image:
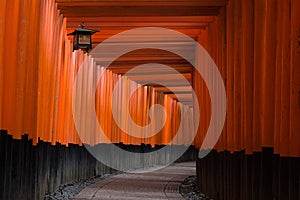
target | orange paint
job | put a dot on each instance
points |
(256, 48)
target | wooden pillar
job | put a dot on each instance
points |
(295, 79)
(202, 95)
(2, 36)
(247, 59)
(229, 82)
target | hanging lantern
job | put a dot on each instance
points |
(82, 38)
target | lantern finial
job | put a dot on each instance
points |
(82, 25)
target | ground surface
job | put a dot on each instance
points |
(161, 184)
(190, 190)
(69, 191)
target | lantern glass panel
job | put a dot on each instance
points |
(84, 39)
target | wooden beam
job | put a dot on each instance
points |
(81, 3)
(137, 11)
(157, 19)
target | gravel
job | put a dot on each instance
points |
(70, 190)
(190, 190)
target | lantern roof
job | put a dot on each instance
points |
(83, 30)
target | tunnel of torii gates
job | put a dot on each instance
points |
(254, 43)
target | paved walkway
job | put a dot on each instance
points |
(162, 184)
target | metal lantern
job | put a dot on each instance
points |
(82, 38)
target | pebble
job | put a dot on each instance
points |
(190, 190)
(70, 190)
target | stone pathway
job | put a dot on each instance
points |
(161, 184)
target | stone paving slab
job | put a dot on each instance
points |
(161, 184)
